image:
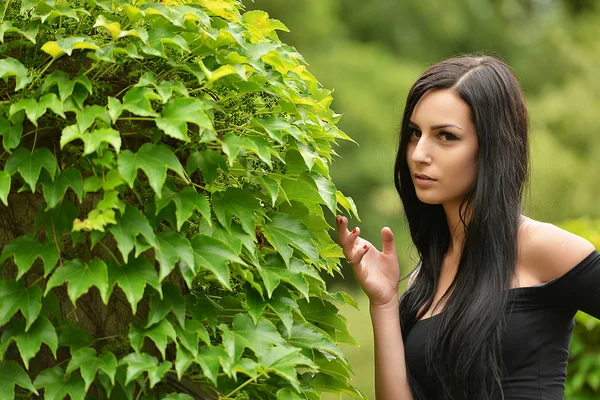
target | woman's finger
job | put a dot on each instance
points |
(358, 254)
(351, 240)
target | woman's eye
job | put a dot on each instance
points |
(448, 136)
(414, 133)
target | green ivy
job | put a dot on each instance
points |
(164, 179)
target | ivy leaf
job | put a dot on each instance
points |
(81, 277)
(172, 247)
(85, 359)
(91, 140)
(131, 224)
(154, 160)
(11, 67)
(177, 113)
(178, 396)
(284, 232)
(288, 394)
(254, 303)
(327, 191)
(11, 131)
(276, 127)
(213, 254)
(138, 363)
(73, 337)
(35, 109)
(57, 48)
(186, 201)
(210, 359)
(189, 334)
(283, 304)
(15, 296)
(273, 271)
(4, 186)
(347, 203)
(306, 336)
(137, 101)
(207, 161)
(183, 361)
(171, 301)
(161, 334)
(29, 343)
(238, 202)
(133, 278)
(283, 361)
(30, 164)
(157, 38)
(12, 374)
(26, 249)
(322, 313)
(65, 85)
(57, 386)
(54, 191)
(244, 334)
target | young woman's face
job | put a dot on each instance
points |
(443, 145)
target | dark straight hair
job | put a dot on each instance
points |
(464, 350)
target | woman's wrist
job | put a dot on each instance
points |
(391, 305)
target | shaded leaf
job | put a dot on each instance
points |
(186, 201)
(172, 300)
(11, 67)
(133, 278)
(85, 359)
(4, 186)
(30, 342)
(30, 164)
(177, 113)
(57, 386)
(26, 249)
(239, 203)
(161, 333)
(213, 255)
(131, 224)
(244, 334)
(54, 191)
(12, 374)
(285, 232)
(172, 247)
(154, 160)
(138, 363)
(81, 277)
(15, 296)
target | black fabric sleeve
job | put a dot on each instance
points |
(579, 288)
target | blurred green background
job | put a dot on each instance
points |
(371, 51)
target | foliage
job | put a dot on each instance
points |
(163, 173)
(583, 373)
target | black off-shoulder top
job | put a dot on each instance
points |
(535, 345)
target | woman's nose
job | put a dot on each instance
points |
(421, 153)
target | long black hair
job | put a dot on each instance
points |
(465, 343)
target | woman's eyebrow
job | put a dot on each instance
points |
(434, 127)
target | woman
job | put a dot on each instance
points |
(488, 312)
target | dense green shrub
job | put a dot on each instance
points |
(163, 172)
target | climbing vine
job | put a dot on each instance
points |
(164, 179)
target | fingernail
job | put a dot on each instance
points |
(337, 219)
(365, 247)
(354, 230)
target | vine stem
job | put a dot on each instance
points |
(110, 251)
(237, 389)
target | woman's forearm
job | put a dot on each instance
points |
(391, 381)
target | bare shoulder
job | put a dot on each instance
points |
(548, 251)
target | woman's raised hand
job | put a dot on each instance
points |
(376, 271)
